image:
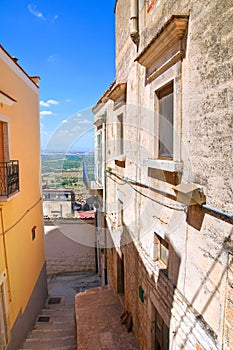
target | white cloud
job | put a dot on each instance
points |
(54, 18)
(65, 133)
(52, 58)
(84, 121)
(44, 104)
(49, 103)
(64, 121)
(76, 128)
(43, 113)
(53, 102)
(32, 9)
(68, 100)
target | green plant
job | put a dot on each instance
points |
(109, 170)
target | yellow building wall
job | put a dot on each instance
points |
(23, 211)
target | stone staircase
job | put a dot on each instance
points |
(54, 329)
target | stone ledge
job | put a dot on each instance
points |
(166, 165)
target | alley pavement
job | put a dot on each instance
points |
(79, 315)
(98, 321)
(55, 326)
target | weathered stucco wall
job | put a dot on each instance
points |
(70, 247)
(191, 296)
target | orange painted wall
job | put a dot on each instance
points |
(23, 211)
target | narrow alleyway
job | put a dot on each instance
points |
(55, 327)
(99, 326)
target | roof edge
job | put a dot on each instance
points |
(16, 63)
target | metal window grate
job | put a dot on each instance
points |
(54, 300)
(43, 319)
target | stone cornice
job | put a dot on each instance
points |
(118, 91)
(169, 35)
(103, 99)
(99, 121)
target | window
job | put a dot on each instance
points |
(99, 155)
(162, 58)
(4, 149)
(120, 134)
(120, 213)
(161, 250)
(9, 170)
(165, 123)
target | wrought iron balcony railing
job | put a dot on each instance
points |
(9, 178)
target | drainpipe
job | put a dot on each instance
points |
(134, 33)
(5, 255)
(104, 199)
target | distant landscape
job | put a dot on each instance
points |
(65, 170)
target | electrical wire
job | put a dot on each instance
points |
(170, 206)
(118, 182)
(223, 215)
(21, 218)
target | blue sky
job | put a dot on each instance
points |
(70, 45)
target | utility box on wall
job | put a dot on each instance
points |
(190, 194)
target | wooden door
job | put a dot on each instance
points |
(161, 333)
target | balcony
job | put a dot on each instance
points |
(90, 183)
(9, 178)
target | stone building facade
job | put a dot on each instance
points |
(164, 156)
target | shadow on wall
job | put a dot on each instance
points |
(70, 248)
(226, 248)
(146, 290)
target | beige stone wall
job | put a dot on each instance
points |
(192, 297)
(187, 327)
(70, 247)
(228, 330)
(123, 46)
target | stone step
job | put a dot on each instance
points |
(51, 340)
(57, 318)
(40, 335)
(57, 334)
(50, 347)
(39, 344)
(45, 333)
(54, 325)
(65, 310)
(58, 314)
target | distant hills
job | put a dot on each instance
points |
(78, 153)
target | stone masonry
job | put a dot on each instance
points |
(169, 253)
(70, 246)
